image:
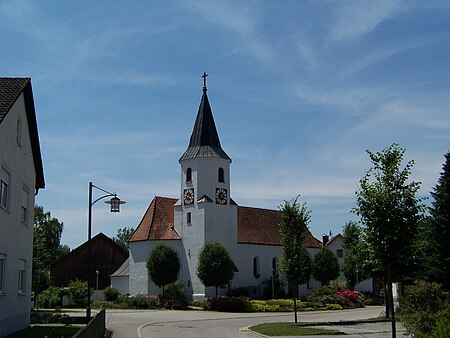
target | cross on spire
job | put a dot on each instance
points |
(204, 81)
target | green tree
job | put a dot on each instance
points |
(438, 231)
(47, 233)
(163, 265)
(354, 267)
(325, 266)
(390, 211)
(215, 267)
(296, 261)
(122, 237)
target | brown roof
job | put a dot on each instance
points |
(260, 226)
(255, 226)
(157, 223)
(10, 90)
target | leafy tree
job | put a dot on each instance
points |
(296, 262)
(439, 225)
(325, 266)
(354, 266)
(163, 265)
(421, 307)
(390, 211)
(122, 237)
(47, 233)
(215, 267)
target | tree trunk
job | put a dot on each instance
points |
(217, 291)
(295, 302)
(386, 298)
(391, 304)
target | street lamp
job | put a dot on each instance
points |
(115, 203)
(96, 283)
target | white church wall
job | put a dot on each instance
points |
(140, 282)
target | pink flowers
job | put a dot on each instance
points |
(349, 295)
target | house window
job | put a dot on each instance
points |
(19, 131)
(275, 266)
(22, 276)
(340, 253)
(4, 189)
(256, 271)
(2, 272)
(189, 218)
(24, 207)
(221, 176)
(188, 175)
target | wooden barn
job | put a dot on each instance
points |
(106, 257)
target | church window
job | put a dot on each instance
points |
(256, 271)
(221, 175)
(19, 131)
(189, 218)
(275, 266)
(188, 175)
(340, 253)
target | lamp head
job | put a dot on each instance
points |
(115, 203)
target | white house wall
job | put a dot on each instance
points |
(16, 240)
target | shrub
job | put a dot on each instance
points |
(174, 297)
(103, 304)
(227, 304)
(278, 290)
(141, 302)
(78, 291)
(442, 329)
(111, 294)
(420, 308)
(50, 298)
(238, 292)
(273, 305)
(333, 307)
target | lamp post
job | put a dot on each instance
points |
(96, 283)
(115, 203)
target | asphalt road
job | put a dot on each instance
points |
(198, 324)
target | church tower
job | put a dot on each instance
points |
(205, 212)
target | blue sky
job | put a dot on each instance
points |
(299, 91)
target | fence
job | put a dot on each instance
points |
(95, 328)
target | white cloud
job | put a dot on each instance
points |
(355, 18)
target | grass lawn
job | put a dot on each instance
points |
(49, 331)
(288, 329)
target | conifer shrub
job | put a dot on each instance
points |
(111, 294)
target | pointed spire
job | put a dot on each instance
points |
(204, 140)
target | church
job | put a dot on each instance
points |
(205, 212)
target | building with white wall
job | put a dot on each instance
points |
(205, 212)
(21, 177)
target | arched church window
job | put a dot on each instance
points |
(221, 175)
(188, 175)
(256, 271)
(275, 266)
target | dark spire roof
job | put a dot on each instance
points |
(10, 90)
(204, 140)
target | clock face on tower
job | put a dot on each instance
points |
(221, 196)
(188, 196)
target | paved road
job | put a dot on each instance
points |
(198, 324)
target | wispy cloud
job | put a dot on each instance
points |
(355, 18)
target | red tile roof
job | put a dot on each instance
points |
(255, 226)
(260, 226)
(157, 223)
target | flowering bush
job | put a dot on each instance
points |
(348, 295)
